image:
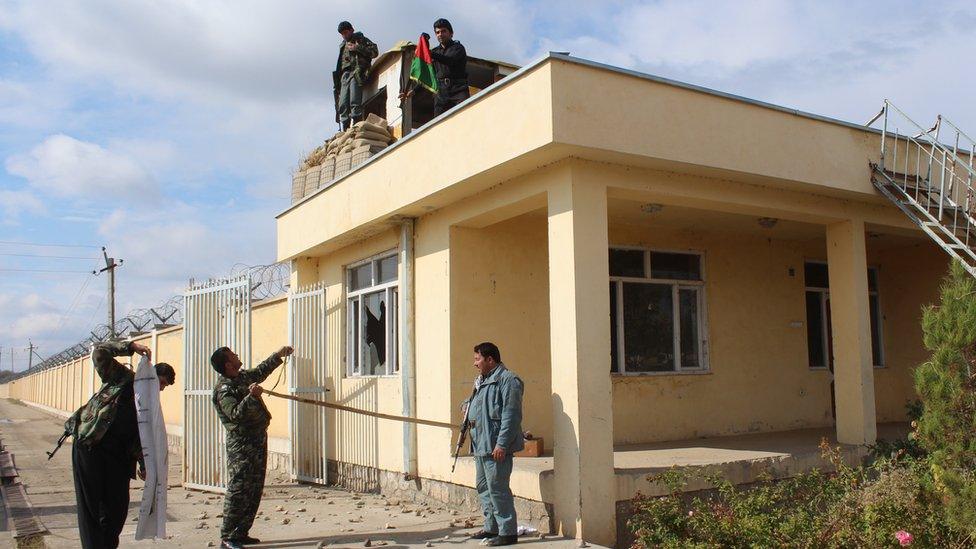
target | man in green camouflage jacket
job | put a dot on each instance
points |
(106, 448)
(356, 54)
(237, 399)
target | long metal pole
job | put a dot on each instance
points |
(408, 372)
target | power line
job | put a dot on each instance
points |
(75, 301)
(47, 245)
(44, 271)
(50, 256)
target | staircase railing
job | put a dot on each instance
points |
(930, 180)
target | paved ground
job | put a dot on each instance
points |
(290, 515)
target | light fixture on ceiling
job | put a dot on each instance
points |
(768, 222)
(651, 208)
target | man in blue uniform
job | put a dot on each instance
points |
(494, 413)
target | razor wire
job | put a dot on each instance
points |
(267, 281)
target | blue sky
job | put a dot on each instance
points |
(167, 130)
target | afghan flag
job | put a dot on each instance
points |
(422, 67)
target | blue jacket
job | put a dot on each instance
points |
(495, 411)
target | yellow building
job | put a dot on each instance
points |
(660, 263)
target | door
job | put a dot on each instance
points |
(307, 379)
(216, 314)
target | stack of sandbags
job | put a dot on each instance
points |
(312, 179)
(340, 154)
(297, 186)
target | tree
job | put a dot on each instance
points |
(946, 386)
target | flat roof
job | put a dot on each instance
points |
(560, 56)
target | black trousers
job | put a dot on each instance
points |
(450, 98)
(102, 494)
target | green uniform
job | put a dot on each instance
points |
(495, 413)
(350, 76)
(246, 420)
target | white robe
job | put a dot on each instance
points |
(152, 433)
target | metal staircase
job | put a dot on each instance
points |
(929, 180)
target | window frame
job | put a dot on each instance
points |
(354, 302)
(825, 334)
(619, 369)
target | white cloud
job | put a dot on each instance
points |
(14, 204)
(63, 166)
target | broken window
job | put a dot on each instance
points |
(657, 306)
(373, 333)
(819, 350)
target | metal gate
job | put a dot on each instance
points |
(216, 314)
(307, 333)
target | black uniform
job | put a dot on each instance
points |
(451, 68)
(105, 451)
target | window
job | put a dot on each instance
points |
(372, 327)
(656, 311)
(819, 350)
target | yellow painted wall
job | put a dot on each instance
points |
(269, 332)
(500, 293)
(169, 349)
(354, 438)
(759, 378)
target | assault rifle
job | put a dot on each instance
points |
(465, 425)
(69, 429)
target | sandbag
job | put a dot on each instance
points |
(373, 136)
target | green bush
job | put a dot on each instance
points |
(861, 506)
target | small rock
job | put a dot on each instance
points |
(468, 524)
(211, 544)
(279, 508)
(447, 537)
(428, 544)
(219, 515)
(389, 526)
(291, 496)
(203, 516)
(201, 526)
(454, 513)
(418, 513)
(135, 519)
(321, 544)
(260, 513)
(301, 509)
(187, 496)
(405, 511)
(267, 518)
(367, 543)
(312, 519)
(285, 520)
(583, 544)
(330, 502)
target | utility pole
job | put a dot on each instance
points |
(30, 354)
(110, 266)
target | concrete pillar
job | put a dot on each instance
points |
(851, 328)
(579, 315)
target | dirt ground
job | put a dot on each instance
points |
(290, 515)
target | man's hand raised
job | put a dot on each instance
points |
(141, 349)
(255, 390)
(284, 351)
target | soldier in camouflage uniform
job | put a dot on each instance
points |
(356, 54)
(106, 448)
(237, 399)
